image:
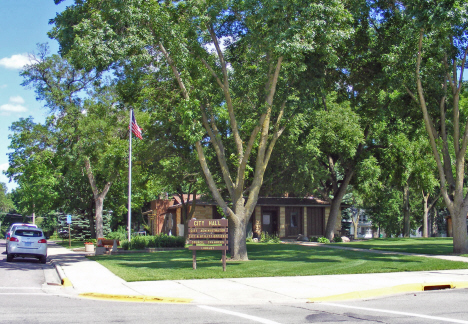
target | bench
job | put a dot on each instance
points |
(108, 244)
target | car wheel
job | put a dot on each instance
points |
(43, 259)
(9, 257)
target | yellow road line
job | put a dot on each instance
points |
(388, 291)
(136, 298)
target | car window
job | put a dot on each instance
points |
(28, 233)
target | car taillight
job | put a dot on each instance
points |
(42, 241)
(13, 239)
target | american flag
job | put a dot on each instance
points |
(135, 128)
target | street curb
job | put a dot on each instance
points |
(391, 291)
(63, 278)
(136, 298)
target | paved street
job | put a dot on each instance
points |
(29, 293)
(427, 307)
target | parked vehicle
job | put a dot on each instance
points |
(12, 228)
(27, 241)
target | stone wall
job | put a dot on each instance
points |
(282, 222)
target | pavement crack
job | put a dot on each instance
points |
(313, 318)
(198, 291)
(132, 289)
(255, 287)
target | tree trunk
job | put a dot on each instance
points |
(239, 236)
(334, 217)
(460, 241)
(98, 198)
(89, 214)
(406, 213)
(336, 205)
(425, 231)
(355, 224)
(435, 228)
(99, 221)
(91, 225)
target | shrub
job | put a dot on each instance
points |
(125, 244)
(337, 239)
(313, 239)
(274, 239)
(156, 241)
(267, 238)
(120, 234)
(138, 242)
(323, 240)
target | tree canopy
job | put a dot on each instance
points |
(243, 98)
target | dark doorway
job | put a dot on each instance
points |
(294, 221)
(270, 221)
(315, 221)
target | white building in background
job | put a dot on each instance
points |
(364, 228)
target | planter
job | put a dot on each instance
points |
(89, 247)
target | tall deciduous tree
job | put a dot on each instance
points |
(90, 129)
(6, 204)
(433, 51)
(33, 165)
(233, 62)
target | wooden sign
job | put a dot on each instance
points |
(208, 235)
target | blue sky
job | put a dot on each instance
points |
(23, 24)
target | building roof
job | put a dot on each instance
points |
(185, 196)
(269, 201)
(291, 201)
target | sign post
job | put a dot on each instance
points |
(69, 220)
(208, 235)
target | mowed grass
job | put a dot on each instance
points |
(266, 260)
(430, 245)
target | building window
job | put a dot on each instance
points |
(294, 217)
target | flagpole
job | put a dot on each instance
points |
(130, 177)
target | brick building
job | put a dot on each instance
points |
(285, 217)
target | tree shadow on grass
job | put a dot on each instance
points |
(266, 260)
(436, 246)
(319, 254)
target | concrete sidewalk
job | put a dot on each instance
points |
(83, 277)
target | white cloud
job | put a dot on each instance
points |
(3, 86)
(16, 61)
(14, 105)
(4, 166)
(17, 100)
(12, 108)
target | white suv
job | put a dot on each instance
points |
(27, 241)
(15, 225)
(11, 230)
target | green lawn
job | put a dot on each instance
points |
(266, 260)
(431, 245)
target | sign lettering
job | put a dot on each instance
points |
(208, 235)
